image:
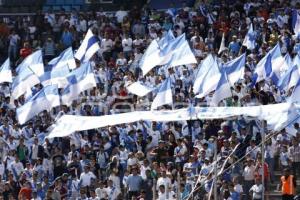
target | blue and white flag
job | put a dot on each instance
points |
(285, 64)
(56, 77)
(5, 72)
(34, 62)
(79, 80)
(45, 99)
(289, 79)
(182, 56)
(151, 57)
(296, 21)
(164, 95)
(207, 77)
(269, 66)
(66, 58)
(165, 40)
(296, 61)
(172, 47)
(59, 69)
(250, 38)
(88, 47)
(295, 96)
(222, 91)
(235, 69)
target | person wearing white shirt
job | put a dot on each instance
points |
(248, 175)
(127, 45)
(86, 177)
(101, 191)
(257, 190)
(120, 14)
(111, 191)
(164, 180)
(16, 168)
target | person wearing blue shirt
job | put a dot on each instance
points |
(66, 38)
(234, 46)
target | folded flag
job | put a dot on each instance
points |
(5, 72)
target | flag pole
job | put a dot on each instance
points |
(263, 158)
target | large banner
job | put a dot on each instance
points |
(276, 114)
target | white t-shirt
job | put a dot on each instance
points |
(163, 181)
(86, 178)
(127, 44)
(257, 191)
(120, 15)
(101, 193)
(249, 173)
(106, 44)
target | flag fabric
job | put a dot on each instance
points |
(295, 96)
(34, 62)
(5, 72)
(155, 56)
(182, 56)
(250, 38)
(28, 73)
(79, 80)
(165, 40)
(164, 95)
(222, 91)
(58, 69)
(289, 79)
(296, 61)
(66, 58)
(235, 69)
(207, 77)
(173, 46)
(285, 64)
(296, 21)
(56, 77)
(222, 45)
(269, 66)
(45, 99)
(139, 89)
(150, 58)
(88, 47)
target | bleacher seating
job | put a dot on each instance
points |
(67, 5)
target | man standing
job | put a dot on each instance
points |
(288, 185)
(134, 183)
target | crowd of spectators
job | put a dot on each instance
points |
(146, 160)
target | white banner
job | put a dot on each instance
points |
(68, 124)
